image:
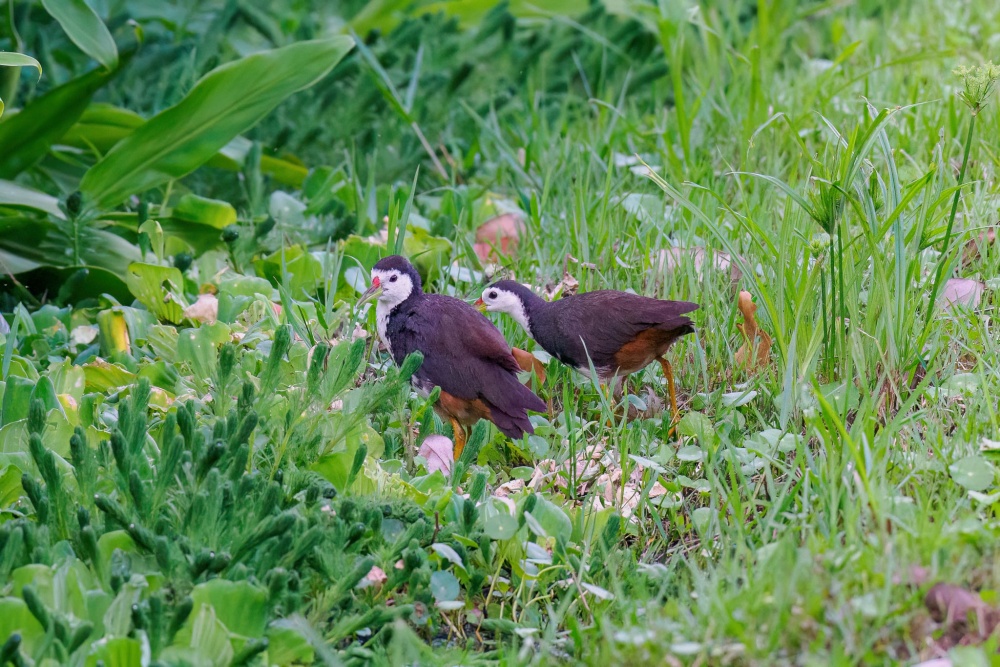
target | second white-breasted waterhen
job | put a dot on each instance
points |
(464, 353)
(618, 332)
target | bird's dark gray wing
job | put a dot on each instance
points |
(603, 321)
(467, 357)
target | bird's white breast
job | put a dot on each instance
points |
(382, 312)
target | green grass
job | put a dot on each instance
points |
(820, 145)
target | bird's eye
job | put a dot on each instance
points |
(493, 295)
(393, 278)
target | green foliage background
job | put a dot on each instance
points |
(246, 490)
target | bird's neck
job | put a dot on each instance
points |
(531, 307)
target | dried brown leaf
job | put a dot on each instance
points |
(756, 349)
(954, 606)
(961, 292)
(529, 363)
(566, 286)
(508, 488)
(438, 450)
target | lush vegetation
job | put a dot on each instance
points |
(204, 459)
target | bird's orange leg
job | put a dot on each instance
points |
(459, 437)
(669, 372)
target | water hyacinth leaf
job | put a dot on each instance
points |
(202, 635)
(117, 652)
(159, 288)
(239, 605)
(294, 267)
(444, 586)
(199, 347)
(85, 29)
(113, 332)
(287, 646)
(103, 377)
(10, 488)
(428, 253)
(224, 103)
(16, 617)
(974, 473)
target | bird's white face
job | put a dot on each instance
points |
(501, 301)
(394, 287)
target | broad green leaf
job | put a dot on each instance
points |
(85, 29)
(27, 136)
(287, 646)
(16, 397)
(103, 377)
(11, 59)
(239, 605)
(15, 617)
(285, 170)
(10, 487)
(212, 212)
(101, 127)
(115, 539)
(974, 473)
(117, 652)
(697, 425)
(448, 553)
(553, 519)
(294, 267)
(690, 453)
(159, 288)
(113, 332)
(58, 431)
(154, 235)
(702, 518)
(428, 253)
(200, 347)
(104, 125)
(227, 101)
(203, 640)
(32, 242)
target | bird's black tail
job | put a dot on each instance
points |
(509, 413)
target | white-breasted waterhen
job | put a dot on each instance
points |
(618, 332)
(464, 353)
